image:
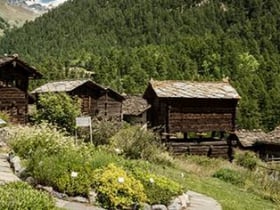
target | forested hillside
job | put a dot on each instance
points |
(128, 42)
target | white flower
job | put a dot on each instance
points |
(74, 174)
(152, 180)
(118, 151)
(121, 180)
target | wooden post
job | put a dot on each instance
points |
(167, 130)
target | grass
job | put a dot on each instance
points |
(191, 175)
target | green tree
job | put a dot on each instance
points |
(58, 109)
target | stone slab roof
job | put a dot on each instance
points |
(32, 72)
(190, 89)
(134, 105)
(61, 86)
(251, 138)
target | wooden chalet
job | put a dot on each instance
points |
(97, 101)
(135, 110)
(14, 80)
(194, 117)
(265, 145)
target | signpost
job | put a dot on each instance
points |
(84, 121)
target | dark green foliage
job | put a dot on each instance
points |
(230, 176)
(20, 196)
(246, 159)
(127, 43)
(58, 109)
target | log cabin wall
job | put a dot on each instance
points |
(200, 115)
(109, 107)
(15, 102)
(88, 99)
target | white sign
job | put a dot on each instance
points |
(83, 121)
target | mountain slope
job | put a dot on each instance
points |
(15, 15)
(127, 43)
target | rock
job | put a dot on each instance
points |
(175, 204)
(92, 197)
(183, 201)
(147, 206)
(79, 199)
(159, 207)
(15, 162)
(59, 195)
(30, 180)
(3, 144)
(47, 189)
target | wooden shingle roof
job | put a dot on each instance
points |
(134, 105)
(190, 89)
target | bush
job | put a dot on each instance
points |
(20, 196)
(159, 189)
(246, 159)
(56, 170)
(58, 109)
(230, 176)
(103, 130)
(136, 143)
(116, 189)
(26, 140)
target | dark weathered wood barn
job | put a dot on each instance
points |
(14, 79)
(187, 112)
(135, 109)
(96, 100)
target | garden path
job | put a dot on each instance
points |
(202, 202)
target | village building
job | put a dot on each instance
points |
(265, 145)
(96, 101)
(135, 110)
(14, 80)
(193, 117)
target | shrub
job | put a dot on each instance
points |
(159, 189)
(26, 140)
(103, 130)
(116, 189)
(230, 176)
(56, 170)
(246, 159)
(136, 143)
(58, 109)
(20, 196)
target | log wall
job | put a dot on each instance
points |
(215, 149)
(15, 103)
(109, 108)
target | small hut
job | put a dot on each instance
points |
(187, 111)
(14, 80)
(265, 145)
(135, 110)
(97, 101)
